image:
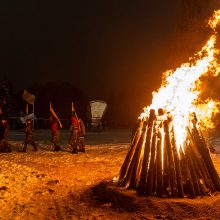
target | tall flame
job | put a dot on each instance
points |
(180, 90)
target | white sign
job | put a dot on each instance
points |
(98, 108)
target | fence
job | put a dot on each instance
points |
(39, 123)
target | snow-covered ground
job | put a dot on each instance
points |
(58, 185)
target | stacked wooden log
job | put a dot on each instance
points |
(155, 166)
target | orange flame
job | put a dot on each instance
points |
(180, 90)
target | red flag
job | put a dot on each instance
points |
(55, 116)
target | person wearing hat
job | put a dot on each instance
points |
(29, 136)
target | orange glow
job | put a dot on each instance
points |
(180, 89)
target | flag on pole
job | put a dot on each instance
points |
(75, 115)
(28, 97)
(31, 116)
(73, 109)
(53, 114)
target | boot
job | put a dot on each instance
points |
(82, 149)
(212, 149)
(8, 149)
(57, 148)
(74, 151)
(34, 145)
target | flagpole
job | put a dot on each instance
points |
(54, 115)
(26, 113)
(73, 110)
(34, 115)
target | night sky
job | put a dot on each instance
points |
(98, 46)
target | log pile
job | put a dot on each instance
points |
(155, 166)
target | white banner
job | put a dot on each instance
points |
(30, 116)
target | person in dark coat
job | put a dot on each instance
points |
(81, 136)
(29, 136)
(4, 130)
(74, 130)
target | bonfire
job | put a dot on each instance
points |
(168, 155)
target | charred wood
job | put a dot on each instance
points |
(143, 177)
(171, 167)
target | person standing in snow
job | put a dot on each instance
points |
(81, 136)
(4, 130)
(74, 132)
(29, 136)
(55, 126)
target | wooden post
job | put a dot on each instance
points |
(127, 179)
(26, 111)
(150, 177)
(159, 181)
(192, 171)
(137, 158)
(200, 163)
(143, 177)
(204, 151)
(177, 166)
(166, 180)
(171, 167)
(54, 114)
(202, 184)
(188, 184)
(34, 115)
(124, 169)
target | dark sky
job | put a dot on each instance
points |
(99, 46)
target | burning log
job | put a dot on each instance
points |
(177, 166)
(130, 154)
(204, 151)
(187, 179)
(159, 174)
(201, 167)
(155, 165)
(136, 158)
(193, 173)
(150, 177)
(171, 168)
(143, 177)
(130, 178)
(166, 184)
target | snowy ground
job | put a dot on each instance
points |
(58, 185)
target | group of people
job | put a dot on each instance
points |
(77, 133)
(76, 139)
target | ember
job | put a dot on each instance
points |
(168, 155)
